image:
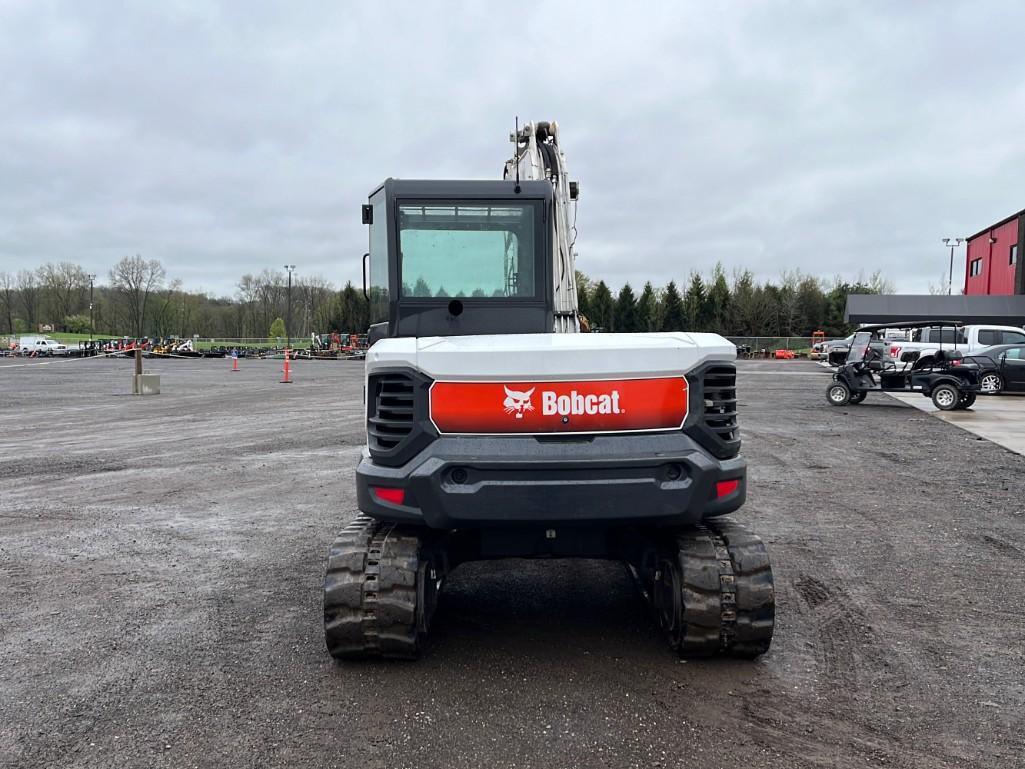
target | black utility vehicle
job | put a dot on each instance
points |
(949, 379)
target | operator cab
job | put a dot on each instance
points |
(453, 258)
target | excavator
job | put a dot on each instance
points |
(496, 429)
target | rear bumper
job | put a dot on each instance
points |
(486, 481)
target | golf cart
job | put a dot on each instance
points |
(951, 381)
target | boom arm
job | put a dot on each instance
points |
(539, 157)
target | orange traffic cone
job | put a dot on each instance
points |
(234, 363)
(287, 379)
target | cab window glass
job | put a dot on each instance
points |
(944, 336)
(467, 249)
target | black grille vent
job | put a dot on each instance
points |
(392, 417)
(720, 394)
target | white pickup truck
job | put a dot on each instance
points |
(41, 346)
(924, 342)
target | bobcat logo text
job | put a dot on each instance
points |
(576, 404)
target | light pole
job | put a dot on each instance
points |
(91, 279)
(288, 312)
(950, 276)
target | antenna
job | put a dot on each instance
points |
(517, 153)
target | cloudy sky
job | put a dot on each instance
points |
(826, 137)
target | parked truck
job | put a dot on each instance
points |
(41, 346)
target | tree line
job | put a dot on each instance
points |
(137, 298)
(796, 305)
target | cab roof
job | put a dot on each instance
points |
(466, 188)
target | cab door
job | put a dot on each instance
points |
(1013, 369)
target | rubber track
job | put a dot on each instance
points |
(728, 596)
(755, 594)
(370, 592)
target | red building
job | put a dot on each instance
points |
(991, 266)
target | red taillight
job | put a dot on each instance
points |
(894, 351)
(395, 496)
(725, 488)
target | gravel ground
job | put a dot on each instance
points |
(160, 585)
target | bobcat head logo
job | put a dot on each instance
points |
(517, 402)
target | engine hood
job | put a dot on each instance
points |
(551, 357)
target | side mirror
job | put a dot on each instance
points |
(366, 295)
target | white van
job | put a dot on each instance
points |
(41, 345)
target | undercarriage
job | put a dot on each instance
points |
(709, 587)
